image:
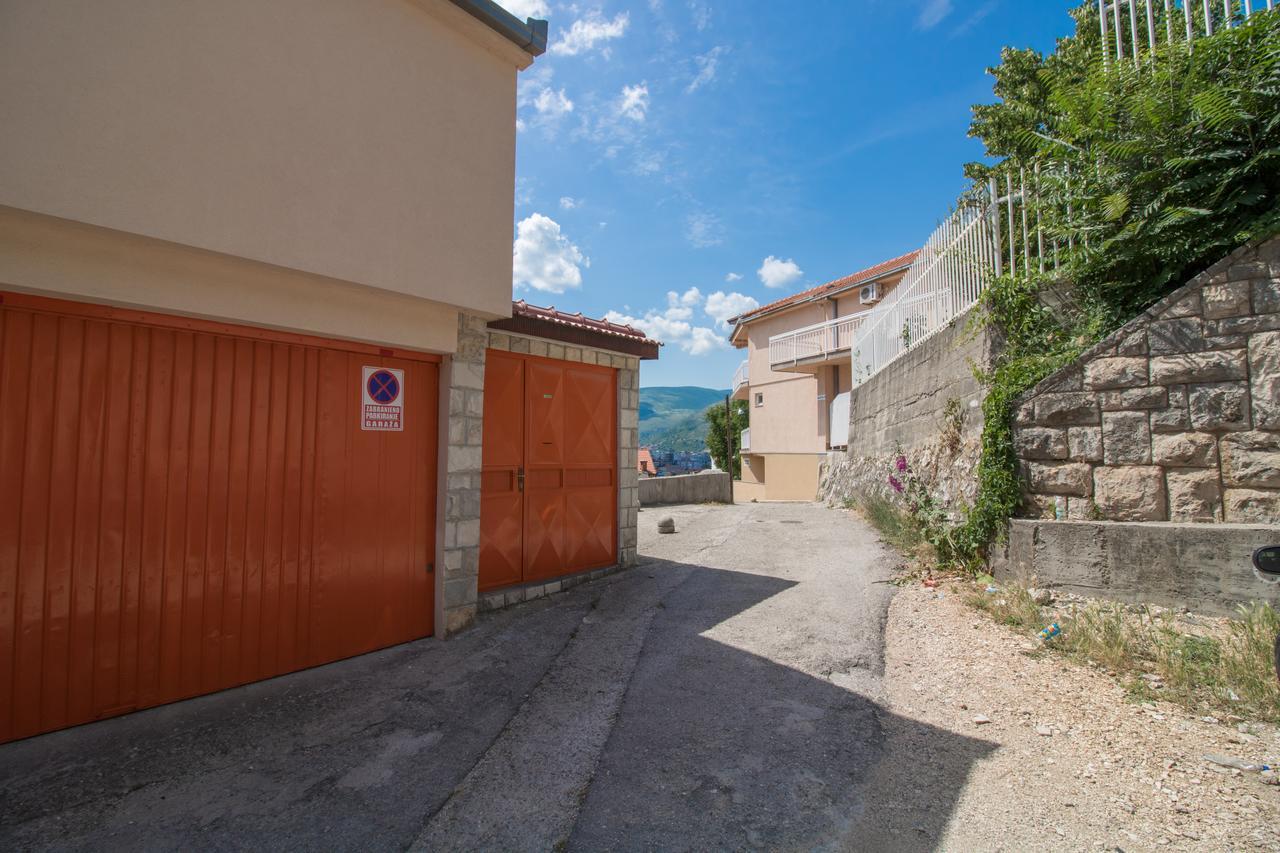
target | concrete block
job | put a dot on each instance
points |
(1186, 306)
(1126, 438)
(1204, 567)
(1185, 449)
(1264, 382)
(1220, 406)
(1084, 444)
(1066, 478)
(1251, 459)
(519, 344)
(1252, 506)
(1246, 325)
(1174, 336)
(1173, 419)
(1135, 343)
(467, 374)
(1040, 443)
(1266, 295)
(1122, 372)
(1229, 299)
(1130, 493)
(1212, 366)
(1066, 409)
(459, 619)
(499, 341)
(1128, 399)
(459, 592)
(1194, 495)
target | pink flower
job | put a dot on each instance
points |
(893, 481)
(901, 463)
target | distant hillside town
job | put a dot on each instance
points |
(661, 462)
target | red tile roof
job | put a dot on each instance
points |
(579, 321)
(848, 281)
(644, 462)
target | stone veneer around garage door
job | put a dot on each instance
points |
(1175, 416)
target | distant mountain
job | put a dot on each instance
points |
(672, 417)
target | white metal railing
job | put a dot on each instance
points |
(816, 341)
(1175, 20)
(741, 376)
(745, 443)
(944, 281)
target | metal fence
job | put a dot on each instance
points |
(944, 281)
(1127, 24)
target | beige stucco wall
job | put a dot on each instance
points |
(42, 254)
(786, 477)
(789, 421)
(368, 141)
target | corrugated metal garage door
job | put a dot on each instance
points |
(549, 487)
(188, 506)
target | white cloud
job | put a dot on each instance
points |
(733, 276)
(775, 272)
(708, 64)
(703, 230)
(543, 258)
(701, 15)
(552, 104)
(587, 32)
(933, 13)
(526, 8)
(524, 191)
(568, 202)
(634, 102)
(672, 325)
(722, 306)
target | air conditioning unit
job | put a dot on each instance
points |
(869, 293)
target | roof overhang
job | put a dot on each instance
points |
(577, 330)
(529, 35)
(750, 317)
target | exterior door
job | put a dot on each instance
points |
(549, 488)
(190, 506)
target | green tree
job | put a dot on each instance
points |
(715, 416)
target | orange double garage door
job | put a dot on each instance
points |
(188, 506)
(549, 488)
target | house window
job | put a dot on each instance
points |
(759, 399)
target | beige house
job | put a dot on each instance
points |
(796, 379)
(250, 255)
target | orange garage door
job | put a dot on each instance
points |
(188, 506)
(549, 489)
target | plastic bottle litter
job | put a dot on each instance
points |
(1049, 631)
(992, 589)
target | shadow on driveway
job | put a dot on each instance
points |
(714, 746)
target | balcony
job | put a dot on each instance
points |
(741, 381)
(745, 444)
(805, 350)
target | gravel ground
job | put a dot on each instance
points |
(1076, 764)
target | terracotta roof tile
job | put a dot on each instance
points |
(838, 284)
(579, 320)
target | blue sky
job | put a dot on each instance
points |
(678, 159)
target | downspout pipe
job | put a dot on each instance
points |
(529, 35)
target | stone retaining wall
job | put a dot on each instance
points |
(910, 405)
(1175, 416)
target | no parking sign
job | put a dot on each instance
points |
(382, 399)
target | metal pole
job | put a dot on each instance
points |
(728, 443)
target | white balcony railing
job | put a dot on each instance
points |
(746, 440)
(815, 342)
(741, 376)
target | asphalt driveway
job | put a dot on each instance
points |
(725, 693)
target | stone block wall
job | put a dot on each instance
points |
(461, 529)
(1175, 416)
(628, 370)
(907, 405)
